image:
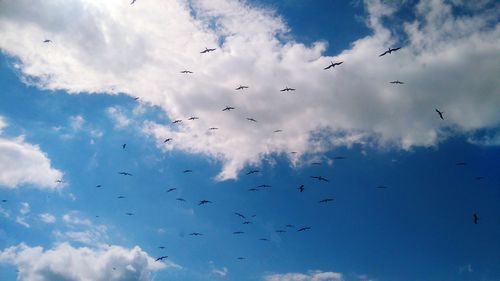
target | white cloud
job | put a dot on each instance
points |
(25, 208)
(23, 212)
(23, 163)
(47, 218)
(222, 272)
(65, 262)
(448, 62)
(77, 122)
(310, 276)
(79, 229)
(22, 221)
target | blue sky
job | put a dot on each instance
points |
(69, 105)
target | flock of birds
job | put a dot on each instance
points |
(301, 188)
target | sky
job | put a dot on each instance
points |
(108, 150)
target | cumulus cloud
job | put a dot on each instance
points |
(23, 163)
(79, 229)
(310, 276)
(65, 262)
(118, 116)
(447, 62)
(47, 218)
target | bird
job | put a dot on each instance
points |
(389, 51)
(129, 214)
(381, 186)
(167, 140)
(320, 178)
(133, 1)
(120, 197)
(203, 202)
(238, 232)
(193, 118)
(161, 247)
(290, 225)
(187, 171)
(264, 185)
(241, 87)
(396, 82)
(251, 119)
(253, 189)
(195, 234)
(333, 64)
(136, 98)
(213, 128)
(325, 200)
(125, 173)
(59, 181)
(286, 89)
(339, 157)
(304, 228)
(301, 188)
(207, 50)
(186, 72)
(252, 172)
(315, 163)
(47, 41)
(98, 185)
(277, 131)
(171, 189)
(177, 121)
(280, 231)
(476, 218)
(240, 258)
(440, 113)
(247, 222)
(461, 164)
(4, 200)
(264, 239)
(161, 258)
(240, 215)
(124, 145)
(180, 199)
(228, 108)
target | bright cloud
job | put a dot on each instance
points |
(140, 49)
(47, 218)
(23, 163)
(311, 276)
(65, 262)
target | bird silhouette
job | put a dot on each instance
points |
(213, 128)
(186, 72)
(287, 89)
(389, 51)
(203, 202)
(253, 189)
(301, 188)
(240, 258)
(207, 50)
(264, 185)
(278, 131)
(326, 200)
(177, 121)
(133, 1)
(47, 41)
(195, 234)
(124, 145)
(125, 173)
(251, 119)
(303, 229)
(59, 181)
(252, 172)
(440, 113)
(129, 214)
(280, 231)
(187, 171)
(247, 222)
(381, 186)
(180, 199)
(320, 178)
(161, 247)
(476, 218)
(161, 258)
(460, 163)
(332, 65)
(171, 189)
(193, 118)
(290, 226)
(238, 232)
(240, 215)
(98, 186)
(167, 140)
(120, 197)
(396, 82)
(241, 87)
(228, 108)
(263, 239)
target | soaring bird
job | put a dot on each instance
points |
(333, 64)
(125, 173)
(264, 239)
(301, 188)
(98, 186)
(338, 157)
(161, 247)
(171, 189)
(207, 50)
(320, 178)
(304, 228)
(59, 181)
(440, 113)
(396, 82)
(203, 202)
(251, 119)
(238, 232)
(228, 108)
(187, 171)
(476, 218)
(124, 145)
(136, 98)
(4, 200)
(252, 172)
(129, 214)
(120, 197)
(290, 225)
(195, 234)
(325, 200)
(286, 89)
(240, 215)
(186, 72)
(381, 186)
(213, 128)
(253, 189)
(193, 118)
(316, 163)
(47, 41)
(460, 163)
(161, 258)
(277, 131)
(241, 258)
(389, 51)
(280, 231)
(247, 222)
(264, 185)
(177, 121)
(479, 178)
(181, 199)
(241, 87)
(133, 1)
(167, 140)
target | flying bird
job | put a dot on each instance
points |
(381, 186)
(290, 225)
(161, 247)
(396, 82)
(316, 163)
(240, 215)
(264, 239)
(333, 64)
(98, 185)
(59, 181)
(129, 214)
(440, 113)
(247, 222)
(120, 197)
(264, 185)
(213, 128)
(338, 157)
(181, 199)
(171, 189)
(125, 173)
(241, 87)
(320, 178)
(253, 189)
(193, 118)
(195, 234)
(187, 171)
(4, 200)
(479, 178)
(251, 119)
(286, 89)
(124, 145)
(136, 98)
(252, 172)
(133, 1)
(304, 228)
(161, 258)
(389, 51)
(301, 188)
(476, 218)
(177, 121)
(241, 258)
(277, 131)
(228, 108)
(238, 232)
(186, 72)
(203, 202)
(280, 231)
(167, 140)
(207, 50)
(460, 163)
(325, 200)
(47, 41)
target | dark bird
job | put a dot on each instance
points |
(4, 200)
(247, 222)
(136, 98)
(381, 186)
(286, 89)
(240, 215)
(203, 202)
(193, 118)
(125, 173)
(396, 82)
(460, 163)
(213, 128)
(186, 72)
(195, 234)
(264, 239)
(171, 189)
(241, 258)
(124, 145)
(133, 1)
(187, 171)
(304, 229)
(120, 197)
(161, 247)
(290, 225)
(253, 189)
(333, 64)
(325, 200)
(251, 119)
(389, 51)
(181, 199)
(476, 218)
(167, 140)
(301, 188)
(278, 131)
(161, 258)
(338, 157)
(207, 50)
(280, 231)
(98, 185)
(242, 87)
(47, 41)
(228, 108)
(320, 178)
(264, 185)
(59, 181)
(252, 172)
(129, 214)
(440, 113)
(177, 121)
(315, 163)
(238, 232)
